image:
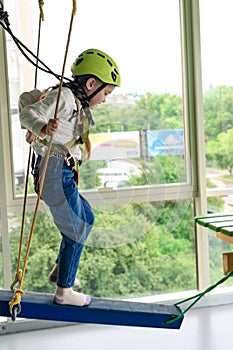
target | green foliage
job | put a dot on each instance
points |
(160, 170)
(165, 111)
(88, 177)
(150, 111)
(148, 264)
(43, 252)
(222, 150)
(218, 107)
(215, 204)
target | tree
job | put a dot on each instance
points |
(165, 110)
(221, 150)
(88, 177)
(150, 111)
(218, 109)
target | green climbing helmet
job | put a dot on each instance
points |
(99, 64)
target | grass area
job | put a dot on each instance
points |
(226, 178)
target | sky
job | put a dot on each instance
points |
(143, 37)
(216, 39)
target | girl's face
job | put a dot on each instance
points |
(91, 86)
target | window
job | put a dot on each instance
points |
(1, 265)
(142, 123)
(217, 58)
(138, 179)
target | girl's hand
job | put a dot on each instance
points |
(30, 137)
(50, 128)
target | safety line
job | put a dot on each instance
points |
(14, 304)
(18, 274)
(4, 22)
(198, 297)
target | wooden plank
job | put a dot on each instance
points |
(217, 226)
(100, 311)
(206, 221)
(224, 237)
(213, 215)
(227, 230)
(227, 259)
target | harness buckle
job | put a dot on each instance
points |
(70, 161)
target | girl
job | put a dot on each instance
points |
(95, 75)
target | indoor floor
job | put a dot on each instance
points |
(205, 328)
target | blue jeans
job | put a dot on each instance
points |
(72, 215)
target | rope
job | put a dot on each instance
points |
(4, 22)
(74, 8)
(198, 297)
(41, 4)
(18, 292)
(41, 18)
(18, 274)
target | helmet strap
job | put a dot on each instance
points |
(101, 87)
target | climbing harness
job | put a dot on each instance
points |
(14, 304)
(62, 151)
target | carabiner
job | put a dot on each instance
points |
(14, 311)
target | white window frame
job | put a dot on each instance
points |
(195, 187)
(193, 113)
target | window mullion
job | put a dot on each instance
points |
(193, 110)
(5, 174)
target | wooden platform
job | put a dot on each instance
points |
(221, 223)
(100, 311)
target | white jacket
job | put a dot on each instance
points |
(34, 116)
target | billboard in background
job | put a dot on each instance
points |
(125, 144)
(165, 142)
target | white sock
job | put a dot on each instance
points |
(53, 278)
(66, 296)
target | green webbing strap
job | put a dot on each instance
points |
(198, 297)
(61, 148)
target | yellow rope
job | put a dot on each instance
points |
(41, 4)
(18, 274)
(18, 277)
(16, 299)
(21, 273)
(74, 7)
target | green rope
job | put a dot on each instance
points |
(198, 297)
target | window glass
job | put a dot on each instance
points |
(137, 141)
(1, 263)
(217, 57)
(132, 255)
(140, 130)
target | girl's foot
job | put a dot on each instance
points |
(53, 278)
(66, 296)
